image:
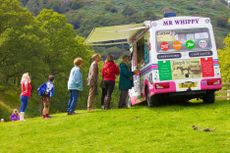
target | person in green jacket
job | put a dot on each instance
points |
(125, 81)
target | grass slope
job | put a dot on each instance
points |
(165, 129)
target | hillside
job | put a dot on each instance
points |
(87, 14)
(165, 129)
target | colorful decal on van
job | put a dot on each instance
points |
(186, 69)
(165, 71)
(207, 67)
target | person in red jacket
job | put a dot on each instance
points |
(25, 94)
(109, 72)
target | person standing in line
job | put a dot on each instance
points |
(25, 94)
(109, 72)
(75, 85)
(49, 92)
(125, 81)
(92, 81)
(103, 91)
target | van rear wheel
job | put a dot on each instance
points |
(151, 100)
(209, 97)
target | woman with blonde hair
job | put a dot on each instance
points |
(25, 94)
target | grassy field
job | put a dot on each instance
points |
(165, 129)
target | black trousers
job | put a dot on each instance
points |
(109, 86)
(103, 96)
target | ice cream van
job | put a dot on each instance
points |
(176, 57)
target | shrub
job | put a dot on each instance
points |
(222, 22)
(111, 8)
(129, 10)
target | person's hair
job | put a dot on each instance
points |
(25, 77)
(51, 78)
(109, 58)
(94, 56)
(15, 110)
(77, 61)
(125, 56)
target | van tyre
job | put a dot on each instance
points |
(151, 100)
(209, 97)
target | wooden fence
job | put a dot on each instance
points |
(224, 93)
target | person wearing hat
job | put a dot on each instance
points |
(92, 81)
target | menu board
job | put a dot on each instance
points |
(207, 67)
(165, 71)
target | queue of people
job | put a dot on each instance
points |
(109, 73)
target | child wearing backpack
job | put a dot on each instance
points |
(46, 91)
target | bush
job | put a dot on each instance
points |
(4, 111)
(149, 15)
(75, 5)
(129, 10)
(111, 8)
(222, 22)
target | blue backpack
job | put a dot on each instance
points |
(42, 89)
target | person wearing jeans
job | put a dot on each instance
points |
(25, 94)
(72, 101)
(75, 85)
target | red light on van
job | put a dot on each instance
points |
(211, 82)
(162, 85)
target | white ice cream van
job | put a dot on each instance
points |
(176, 56)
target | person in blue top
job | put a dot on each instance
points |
(125, 80)
(49, 92)
(75, 85)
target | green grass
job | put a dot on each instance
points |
(165, 129)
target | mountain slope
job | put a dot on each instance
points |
(87, 14)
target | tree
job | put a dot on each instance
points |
(19, 42)
(224, 60)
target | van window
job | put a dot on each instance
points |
(140, 52)
(183, 40)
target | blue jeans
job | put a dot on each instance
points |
(72, 101)
(24, 102)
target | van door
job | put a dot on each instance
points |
(135, 92)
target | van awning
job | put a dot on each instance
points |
(111, 35)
